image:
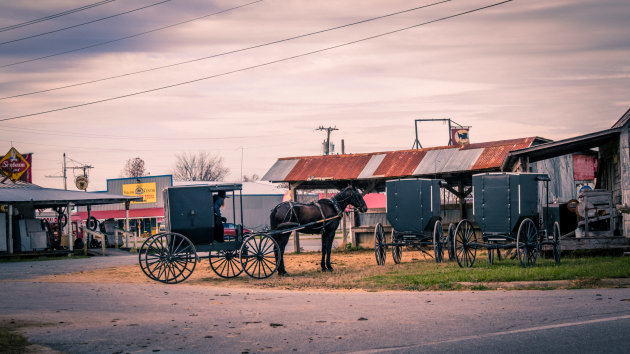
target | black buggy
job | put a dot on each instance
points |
(413, 210)
(172, 256)
(508, 210)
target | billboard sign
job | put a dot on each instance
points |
(14, 165)
(148, 191)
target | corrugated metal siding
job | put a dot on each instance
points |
(370, 169)
(493, 156)
(435, 161)
(280, 170)
(462, 160)
(337, 167)
(400, 163)
(480, 156)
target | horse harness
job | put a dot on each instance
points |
(325, 221)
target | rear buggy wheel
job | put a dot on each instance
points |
(226, 264)
(258, 256)
(379, 244)
(438, 241)
(450, 241)
(169, 258)
(396, 250)
(527, 243)
(556, 242)
(465, 235)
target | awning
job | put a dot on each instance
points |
(560, 147)
(41, 197)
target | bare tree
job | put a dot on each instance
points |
(252, 178)
(134, 168)
(199, 167)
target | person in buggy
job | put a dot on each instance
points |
(218, 200)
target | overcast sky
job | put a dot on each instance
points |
(549, 68)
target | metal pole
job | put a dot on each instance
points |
(69, 228)
(10, 218)
(127, 216)
(65, 178)
(85, 238)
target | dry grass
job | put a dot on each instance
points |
(357, 270)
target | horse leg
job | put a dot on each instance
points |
(329, 241)
(323, 262)
(282, 240)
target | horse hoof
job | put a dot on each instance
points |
(285, 274)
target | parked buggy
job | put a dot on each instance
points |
(413, 210)
(508, 211)
(172, 256)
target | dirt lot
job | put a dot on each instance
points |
(303, 268)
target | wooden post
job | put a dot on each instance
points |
(10, 220)
(127, 216)
(343, 228)
(296, 235)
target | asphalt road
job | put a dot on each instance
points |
(108, 318)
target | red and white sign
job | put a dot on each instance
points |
(14, 165)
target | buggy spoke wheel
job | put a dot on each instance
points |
(450, 241)
(169, 258)
(465, 253)
(379, 244)
(396, 250)
(556, 242)
(527, 243)
(258, 256)
(226, 264)
(438, 241)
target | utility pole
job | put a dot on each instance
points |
(65, 171)
(327, 141)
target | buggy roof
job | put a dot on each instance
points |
(213, 186)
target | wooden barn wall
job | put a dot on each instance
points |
(624, 172)
(562, 184)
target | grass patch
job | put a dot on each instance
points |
(584, 272)
(357, 270)
(10, 341)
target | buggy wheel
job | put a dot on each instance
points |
(226, 264)
(379, 244)
(396, 250)
(438, 241)
(556, 242)
(258, 256)
(169, 258)
(527, 243)
(465, 253)
(450, 236)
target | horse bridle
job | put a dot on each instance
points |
(336, 203)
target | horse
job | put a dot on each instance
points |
(320, 217)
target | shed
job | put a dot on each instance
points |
(24, 198)
(611, 146)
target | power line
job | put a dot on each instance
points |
(226, 53)
(127, 37)
(50, 17)
(256, 66)
(85, 23)
(160, 138)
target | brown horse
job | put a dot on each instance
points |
(321, 217)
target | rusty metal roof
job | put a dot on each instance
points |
(390, 164)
